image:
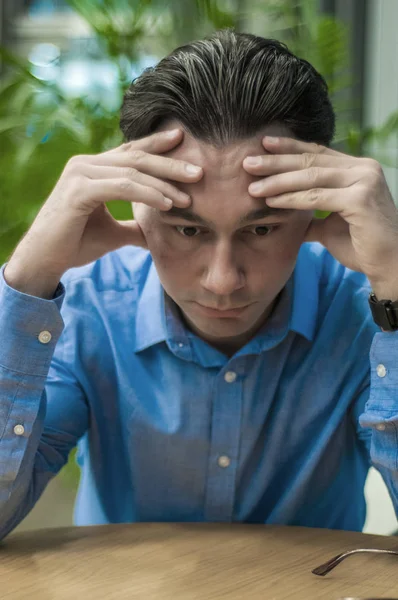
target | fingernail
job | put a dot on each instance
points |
(269, 139)
(255, 187)
(192, 170)
(253, 160)
(168, 202)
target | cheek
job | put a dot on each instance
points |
(279, 259)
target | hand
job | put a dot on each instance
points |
(74, 227)
(362, 230)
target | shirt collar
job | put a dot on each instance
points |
(158, 318)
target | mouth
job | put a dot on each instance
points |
(221, 314)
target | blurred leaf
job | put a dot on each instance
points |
(218, 18)
(11, 123)
(70, 473)
(331, 42)
(21, 67)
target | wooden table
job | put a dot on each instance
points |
(167, 561)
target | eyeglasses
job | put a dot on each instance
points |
(333, 562)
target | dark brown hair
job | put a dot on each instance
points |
(228, 87)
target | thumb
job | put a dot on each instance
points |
(111, 234)
(315, 230)
(128, 233)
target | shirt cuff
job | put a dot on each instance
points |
(30, 329)
(383, 397)
(381, 409)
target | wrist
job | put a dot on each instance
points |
(32, 283)
(387, 290)
(385, 293)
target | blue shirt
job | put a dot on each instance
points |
(170, 429)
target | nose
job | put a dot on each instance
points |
(223, 275)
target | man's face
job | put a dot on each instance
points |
(221, 257)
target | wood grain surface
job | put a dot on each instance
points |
(168, 561)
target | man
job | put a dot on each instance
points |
(221, 371)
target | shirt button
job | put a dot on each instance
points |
(181, 345)
(224, 461)
(380, 427)
(381, 370)
(44, 337)
(230, 376)
(19, 429)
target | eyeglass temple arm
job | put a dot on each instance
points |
(333, 562)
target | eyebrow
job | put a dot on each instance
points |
(255, 215)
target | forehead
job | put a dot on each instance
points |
(223, 190)
(221, 163)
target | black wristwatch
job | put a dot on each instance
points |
(385, 312)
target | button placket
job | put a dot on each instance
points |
(224, 447)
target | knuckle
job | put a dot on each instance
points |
(376, 166)
(131, 173)
(75, 161)
(312, 174)
(137, 155)
(127, 146)
(373, 176)
(125, 184)
(79, 191)
(314, 195)
(374, 179)
(308, 159)
(318, 148)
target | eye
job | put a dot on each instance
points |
(262, 230)
(187, 231)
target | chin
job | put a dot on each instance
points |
(221, 327)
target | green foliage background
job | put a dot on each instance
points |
(41, 127)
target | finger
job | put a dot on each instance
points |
(167, 189)
(106, 190)
(287, 145)
(151, 164)
(275, 163)
(157, 143)
(342, 201)
(314, 177)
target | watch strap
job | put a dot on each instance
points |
(384, 312)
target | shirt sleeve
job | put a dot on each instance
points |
(43, 410)
(378, 411)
